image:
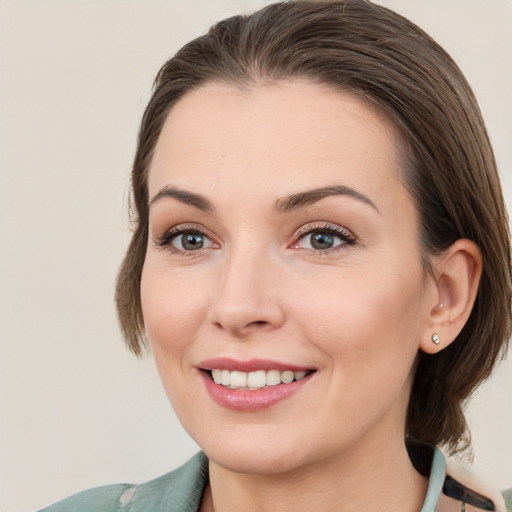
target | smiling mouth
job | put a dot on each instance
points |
(259, 379)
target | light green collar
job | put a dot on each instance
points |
(435, 482)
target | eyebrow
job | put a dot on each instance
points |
(196, 200)
(301, 199)
(283, 205)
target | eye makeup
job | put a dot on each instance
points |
(315, 238)
(186, 239)
(322, 238)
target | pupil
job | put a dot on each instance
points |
(322, 240)
(192, 241)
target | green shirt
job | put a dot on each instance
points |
(182, 489)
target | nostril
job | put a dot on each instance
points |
(245, 317)
(257, 324)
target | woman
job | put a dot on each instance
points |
(320, 265)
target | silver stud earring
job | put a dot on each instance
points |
(436, 339)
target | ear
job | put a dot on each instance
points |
(456, 277)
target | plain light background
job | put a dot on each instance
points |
(76, 409)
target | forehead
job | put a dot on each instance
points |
(275, 139)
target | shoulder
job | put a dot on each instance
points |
(508, 499)
(99, 499)
(181, 488)
(483, 494)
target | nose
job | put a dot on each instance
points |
(248, 295)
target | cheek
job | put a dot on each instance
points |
(365, 319)
(173, 307)
(172, 311)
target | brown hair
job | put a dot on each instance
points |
(451, 171)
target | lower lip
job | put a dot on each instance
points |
(246, 400)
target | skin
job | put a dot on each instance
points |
(356, 313)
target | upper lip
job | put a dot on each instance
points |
(251, 365)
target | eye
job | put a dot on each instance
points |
(184, 239)
(190, 241)
(323, 238)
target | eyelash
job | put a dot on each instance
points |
(165, 240)
(346, 237)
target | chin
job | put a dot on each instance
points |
(253, 450)
(254, 460)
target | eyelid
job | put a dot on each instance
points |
(347, 237)
(164, 241)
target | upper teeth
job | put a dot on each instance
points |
(255, 380)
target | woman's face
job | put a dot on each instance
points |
(282, 245)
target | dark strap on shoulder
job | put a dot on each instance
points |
(457, 491)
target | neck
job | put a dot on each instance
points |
(369, 477)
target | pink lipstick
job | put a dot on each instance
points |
(251, 385)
